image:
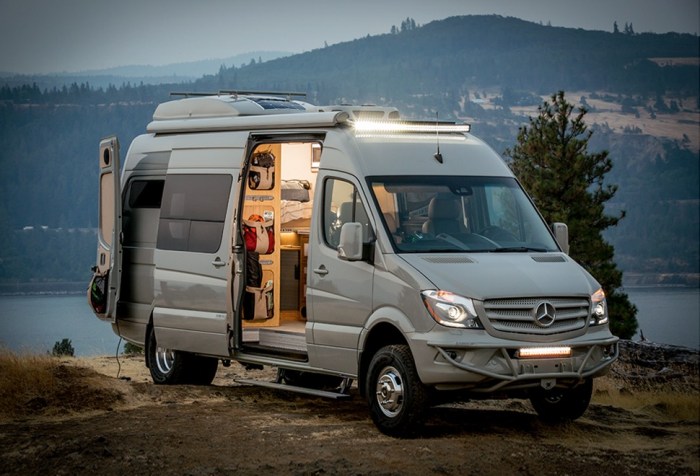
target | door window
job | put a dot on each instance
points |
(342, 204)
(193, 211)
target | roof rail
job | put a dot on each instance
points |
(191, 93)
(240, 92)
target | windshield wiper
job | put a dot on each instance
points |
(518, 249)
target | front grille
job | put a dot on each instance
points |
(517, 315)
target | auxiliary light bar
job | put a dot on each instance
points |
(543, 352)
(397, 127)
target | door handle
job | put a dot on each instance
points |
(322, 271)
(217, 263)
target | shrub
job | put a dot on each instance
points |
(132, 349)
(63, 348)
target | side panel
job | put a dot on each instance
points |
(103, 293)
(193, 250)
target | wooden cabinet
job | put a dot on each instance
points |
(284, 265)
(261, 212)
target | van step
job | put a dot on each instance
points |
(294, 388)
(293, 339)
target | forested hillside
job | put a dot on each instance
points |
(444, 58)
(487, 70)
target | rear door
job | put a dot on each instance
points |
(103, 293)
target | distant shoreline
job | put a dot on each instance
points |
(44, 289)
(683, 280)
(637, 281)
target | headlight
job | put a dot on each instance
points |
(599, 311)
(451, 309)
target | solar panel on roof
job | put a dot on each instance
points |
(267, 103)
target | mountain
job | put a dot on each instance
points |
(445, 57)
(641, 91)
(136, 74)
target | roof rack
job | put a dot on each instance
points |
(238, 92)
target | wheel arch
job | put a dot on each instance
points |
(380, 335)
(147, 342)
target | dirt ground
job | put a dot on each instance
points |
(107, 425)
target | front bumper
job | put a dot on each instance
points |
(487, 367)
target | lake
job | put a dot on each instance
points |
(668, 315)
(35, 323)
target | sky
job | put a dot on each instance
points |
(44, 36)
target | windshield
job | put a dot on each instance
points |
(458, 214)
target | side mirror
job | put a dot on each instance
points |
(561, 234)
(350, 246)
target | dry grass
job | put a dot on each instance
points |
(677, 405)
(43, 384)
(26, 379)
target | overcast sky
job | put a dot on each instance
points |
(41, 36)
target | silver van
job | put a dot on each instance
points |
(341, 244)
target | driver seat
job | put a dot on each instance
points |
(444, 216)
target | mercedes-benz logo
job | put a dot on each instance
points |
(544, 314)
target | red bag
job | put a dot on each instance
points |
(259, 235)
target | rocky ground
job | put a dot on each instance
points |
(107, 418)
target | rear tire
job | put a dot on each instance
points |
(397, 398)
(562, 405)
(174, 367)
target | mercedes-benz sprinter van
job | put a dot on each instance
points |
(342, 244)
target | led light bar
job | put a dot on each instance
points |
(368, 126)
(543, 352)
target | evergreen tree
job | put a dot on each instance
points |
(566, 182)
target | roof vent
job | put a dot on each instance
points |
(225, 106)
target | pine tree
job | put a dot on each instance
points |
(566, 181)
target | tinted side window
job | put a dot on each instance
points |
(193, 211)
(145, 193)
(141, 211)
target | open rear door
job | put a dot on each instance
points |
(103, 293)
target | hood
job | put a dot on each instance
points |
(500, 275)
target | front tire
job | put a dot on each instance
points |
(562, 405)
(397, 398)
(174, 367)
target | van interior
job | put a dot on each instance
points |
(276, 220)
